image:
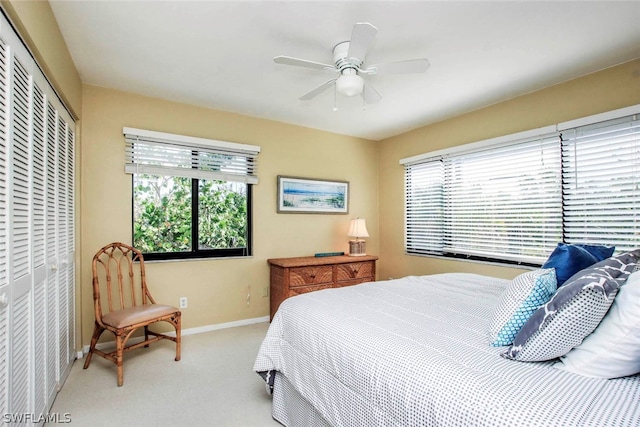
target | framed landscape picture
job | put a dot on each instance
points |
(304, 195)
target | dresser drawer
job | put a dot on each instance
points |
(312, 275)
(352, 282)
(355, 272)
(298, 290)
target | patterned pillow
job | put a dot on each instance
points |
(573, 312)
(524, 295)
(569, 259)
(613, 349)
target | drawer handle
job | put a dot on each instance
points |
(313, 276)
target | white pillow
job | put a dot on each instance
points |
(613, 349)
(522, 297)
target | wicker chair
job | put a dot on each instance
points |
(123, 304)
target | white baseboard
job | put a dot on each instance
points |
(209, 328)
(185, 332)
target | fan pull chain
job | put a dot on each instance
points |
(335, 97)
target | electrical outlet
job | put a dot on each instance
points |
(265, 291)
(183, 302)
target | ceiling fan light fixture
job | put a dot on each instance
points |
(350, 84)
(349, 67)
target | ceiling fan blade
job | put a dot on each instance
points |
(371, 96)
(317, 91)
(287, 60)
(361, 38)
(400, 67)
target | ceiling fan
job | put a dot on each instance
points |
(349, 63)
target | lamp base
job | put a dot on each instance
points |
(357, 248)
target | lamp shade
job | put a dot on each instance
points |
(358, 228)
(350, 84)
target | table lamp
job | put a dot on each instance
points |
(357, 229)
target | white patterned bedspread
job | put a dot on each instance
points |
(415, 352)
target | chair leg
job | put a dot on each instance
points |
(178, 326)
(97, 331)
(120, 340)
(146, 335)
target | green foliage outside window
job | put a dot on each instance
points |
(223, 215)
(163, 214)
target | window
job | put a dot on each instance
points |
(513, 198)
(191, 196)
(601, 183)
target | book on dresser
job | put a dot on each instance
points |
(294, 276)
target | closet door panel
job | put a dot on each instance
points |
(71, 243)
(4, 349)
(20, 351)
(40, 325)
(63, 263)
(20, 213)
(4, 224)
(40, 396)
(51, 253)
(21, 173)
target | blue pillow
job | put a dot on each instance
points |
(569, 259)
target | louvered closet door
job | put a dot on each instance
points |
(4, 215)
(41, 328)
(65, 339)
(71, 250)
(37, 235)
(51, 254)
(22, 307)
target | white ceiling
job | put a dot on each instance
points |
(219, 54)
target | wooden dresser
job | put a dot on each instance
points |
(294, 276)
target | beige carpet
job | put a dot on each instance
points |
(213, 385)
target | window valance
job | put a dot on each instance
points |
(159, 153)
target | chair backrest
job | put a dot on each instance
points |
(118, 279)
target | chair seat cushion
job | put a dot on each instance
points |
(138, 314)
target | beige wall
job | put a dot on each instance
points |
(217, 288)
(610, 89)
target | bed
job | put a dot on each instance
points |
(414, 352)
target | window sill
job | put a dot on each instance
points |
(477, 261)
(154, 261)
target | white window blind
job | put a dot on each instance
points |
(506, 203)
(513, 201)
(601, 170)
(499, 202)
(424, 190)
(157, 153)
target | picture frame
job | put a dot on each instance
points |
(312, 196)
